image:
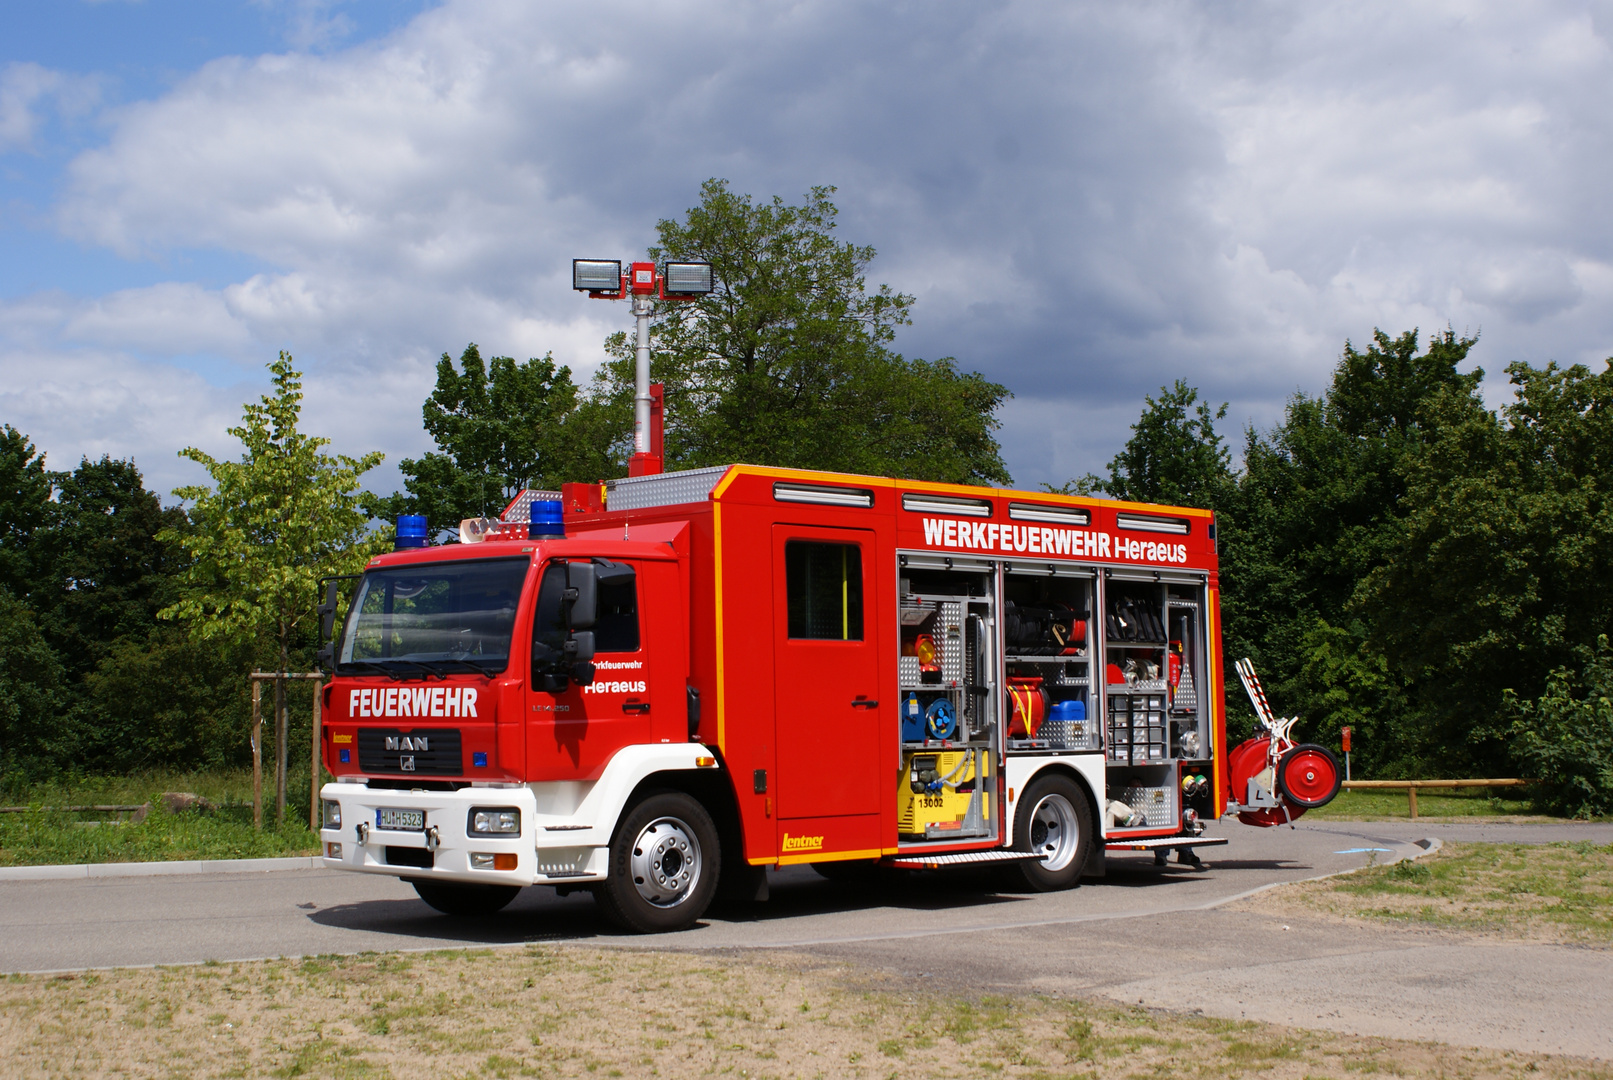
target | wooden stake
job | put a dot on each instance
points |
(1411, 796)
(257, 755)
(313, 761)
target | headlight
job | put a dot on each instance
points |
(492, 821)
(333, 814)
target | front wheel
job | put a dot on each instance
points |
(1054, 820)
(664, 864)
(465, 900)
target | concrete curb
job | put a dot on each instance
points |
(156, 869)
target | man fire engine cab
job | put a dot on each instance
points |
(653, 686)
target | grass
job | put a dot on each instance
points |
(1561, 892)
(44, 836)
(575, 1012)
(1385, 805)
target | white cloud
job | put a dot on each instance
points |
(1089, 201)
(26, 89)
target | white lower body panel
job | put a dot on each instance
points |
(566, 826)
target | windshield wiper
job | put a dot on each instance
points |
(369, 666)
(481, 667)
(421, 669)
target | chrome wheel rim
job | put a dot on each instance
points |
(666, 862)
(1054, 833)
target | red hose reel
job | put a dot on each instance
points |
(1274, 779)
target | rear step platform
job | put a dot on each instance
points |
(1166, 842)
(959, 858)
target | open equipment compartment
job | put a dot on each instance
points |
(1047, 646)
(1157, 705)
(947, 613)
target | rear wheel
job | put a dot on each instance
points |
(1054, 820)
(465, 900)
(1308, 776)
(664, 865)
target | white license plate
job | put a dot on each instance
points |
(387, 817)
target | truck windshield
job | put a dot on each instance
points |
(434, 618)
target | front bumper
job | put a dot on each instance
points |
(442, 850)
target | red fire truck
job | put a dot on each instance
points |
(670, 682)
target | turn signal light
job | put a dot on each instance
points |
(483, 860)
(333, 851)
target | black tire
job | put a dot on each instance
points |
(664, 863)
(1309, 776)
(1052, 804)
(465, 900)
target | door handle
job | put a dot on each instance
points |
(864, 703)
(631, 706)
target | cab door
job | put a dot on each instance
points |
(572, 734)
(827, 706)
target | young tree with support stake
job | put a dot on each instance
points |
(274, 522)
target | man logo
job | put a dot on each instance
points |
(404, 742)
(406, 763)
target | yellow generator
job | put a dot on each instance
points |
(944, 794)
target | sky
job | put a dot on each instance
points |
(1089, 201)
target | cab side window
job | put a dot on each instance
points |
(617, 627)
(616, 620)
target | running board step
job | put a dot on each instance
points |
(1163, 842)
(960, 858)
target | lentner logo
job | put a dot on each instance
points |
(802, 843)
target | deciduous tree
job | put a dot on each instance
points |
(788, 360)
(275, 521)
(499, 427)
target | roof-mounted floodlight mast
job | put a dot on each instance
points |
(603, 279)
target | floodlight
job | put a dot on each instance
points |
(596, 275)
(687, 278)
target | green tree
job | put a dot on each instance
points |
(1174, 455)
(1317, 509)
(32, 704)
(787, 362)
(102, 574)
(1565, 737)
(24, 507)
(499, 427)
(1503, 569)
(276, 521)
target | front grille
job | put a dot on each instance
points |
(420, 752)
(417, 857)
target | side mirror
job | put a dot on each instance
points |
(582, 595)
(325, 657)
(612, 573)
(327, 610)
(580, 648)
(580, 653)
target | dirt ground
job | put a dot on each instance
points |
(574, 1012)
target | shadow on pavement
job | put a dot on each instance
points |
(539, 915)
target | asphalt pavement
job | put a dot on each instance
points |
(1159, 936)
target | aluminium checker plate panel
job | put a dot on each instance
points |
(662, 489)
